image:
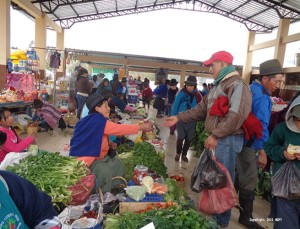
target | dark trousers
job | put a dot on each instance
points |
(287, 214)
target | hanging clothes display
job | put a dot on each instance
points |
(55, 60)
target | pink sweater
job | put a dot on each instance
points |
(14, 143)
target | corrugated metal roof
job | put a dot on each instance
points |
(257, 15)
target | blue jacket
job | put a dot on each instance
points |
(261, 108)
(119, 103)
(183, 102)
(87, 138)
(35, 206)
(161, 91)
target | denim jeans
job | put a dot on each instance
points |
(226, 152)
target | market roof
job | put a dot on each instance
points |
(257, 15)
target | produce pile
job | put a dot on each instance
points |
(199, 138)
(143, 153)
(51, 173)
(166, 218)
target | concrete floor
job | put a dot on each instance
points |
(58, 141)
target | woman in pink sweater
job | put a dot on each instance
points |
(13, 142)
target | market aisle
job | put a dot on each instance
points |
(261, 207)
(57, 141)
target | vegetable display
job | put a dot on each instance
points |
(143, 154)
(51, 173)
(164, 218)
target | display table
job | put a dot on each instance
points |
(16, 104)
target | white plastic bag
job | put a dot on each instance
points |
(12, 158)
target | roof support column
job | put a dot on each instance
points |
(283, 31)
(40, 42)
(60, 45)
(249, 55)
(4, 39)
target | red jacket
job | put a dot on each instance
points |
(252, 126)
(147, 93)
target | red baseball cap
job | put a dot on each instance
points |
(221, 56)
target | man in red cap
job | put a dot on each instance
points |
(226, 135)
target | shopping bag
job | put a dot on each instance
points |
(216, 201)
(286, 181)
(82, 190)
(207, 174)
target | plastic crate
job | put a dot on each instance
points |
(148, 198)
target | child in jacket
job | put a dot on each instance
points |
(286, 211)
(185, 100)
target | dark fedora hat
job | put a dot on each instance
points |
(124, 80)
(94, 100)
(191, 80)
(270, 67)
(173, 82)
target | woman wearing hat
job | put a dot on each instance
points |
(90, 142)
(187, 98)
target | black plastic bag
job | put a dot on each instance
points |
(286, 182)
(207, 174)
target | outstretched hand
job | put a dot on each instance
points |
(146, 126)
(170, 121)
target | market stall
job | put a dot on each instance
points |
(148, 191)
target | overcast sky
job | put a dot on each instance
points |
(165, 33)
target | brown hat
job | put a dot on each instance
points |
(173, 82)
(270, 67)
(191, 80)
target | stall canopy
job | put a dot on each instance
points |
(256, 15)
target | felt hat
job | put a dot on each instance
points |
(37, 103)
(93, 100)
(191, 80)
(173, 82)
(219, 56)
(296, 111)
(270, 67)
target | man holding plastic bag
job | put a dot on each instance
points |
(283, 147)
(226, 132)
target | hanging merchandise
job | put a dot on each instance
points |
(55, 60)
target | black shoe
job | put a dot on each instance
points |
(177, 157)
(172, 132)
